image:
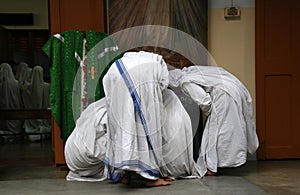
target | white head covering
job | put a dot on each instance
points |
(175, 77)
(33, 91)
(23, 73)
(9, 97)
(33, 96)
(9, 88)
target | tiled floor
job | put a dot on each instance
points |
(27, 168)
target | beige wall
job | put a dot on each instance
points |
(231, 43)
(38, 7)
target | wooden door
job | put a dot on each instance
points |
(76, 15)
(73, 15)
(278, 78)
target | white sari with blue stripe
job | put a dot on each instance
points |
(135, 114)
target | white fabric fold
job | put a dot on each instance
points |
(128, 147)
(10, 98)
(35, 95)
(177, 137)
(86, 146)
(230, 132)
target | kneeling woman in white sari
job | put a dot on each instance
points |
(133, 88)
(86, 147)
(229, 134)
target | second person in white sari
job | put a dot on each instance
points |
(230, 133)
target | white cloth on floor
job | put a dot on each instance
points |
(9, 98)
(86, 146)
(230, 132)
(128, 147)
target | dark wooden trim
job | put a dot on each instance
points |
(259, 76)
(54, 15)
(99, 16)
(25, 114)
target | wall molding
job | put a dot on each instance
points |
(212, 4)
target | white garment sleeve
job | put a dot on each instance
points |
(164, 79)
(198, 94)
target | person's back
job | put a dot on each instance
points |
(33, 95)
(133, 87)
(86, 146)
(23, 73)
(10, 98)
(230, 132)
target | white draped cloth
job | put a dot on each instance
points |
(35, 95)
(230, 132)
(86, 146)
(132, 146)
(23, 75)
(23, 72)
(9, 98)
(177, 137)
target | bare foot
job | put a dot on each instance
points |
(210, 173)
(125, 179)
(167, 179)
(159, 182)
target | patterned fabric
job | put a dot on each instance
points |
(64, 50)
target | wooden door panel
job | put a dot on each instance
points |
(76, 15)
(278, 78)
(82, 15)
(295, 35)
(278, 120)
(277, 26)
(296, 68)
